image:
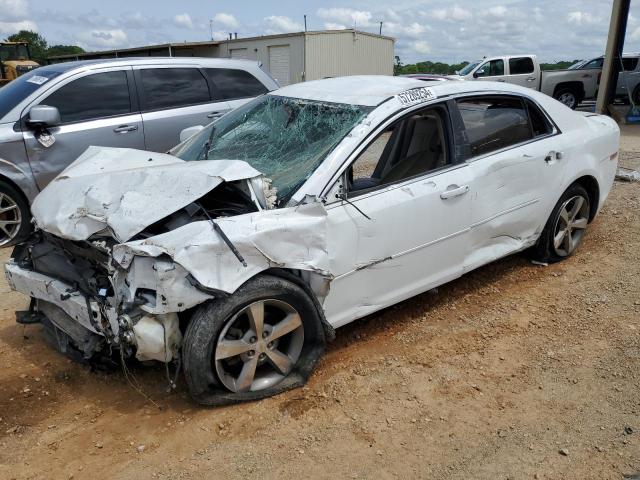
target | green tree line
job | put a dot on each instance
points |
(39, 48)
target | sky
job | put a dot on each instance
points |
(424, 29)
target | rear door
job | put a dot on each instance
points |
(172, 99)
(492, 70)
(517, 167)
(96, 108)
(522, 71)
(234, 86)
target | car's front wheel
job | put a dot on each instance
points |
(15, 216)
(565, 229)
(262, 340)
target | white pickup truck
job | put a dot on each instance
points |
(568, 86)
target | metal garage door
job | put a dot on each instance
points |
(279, 64)
(242, 53)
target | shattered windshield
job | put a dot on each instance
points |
(284, 138)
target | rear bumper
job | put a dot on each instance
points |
(63, 295)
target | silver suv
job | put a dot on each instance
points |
(50, 115)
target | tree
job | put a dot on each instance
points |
(37, 44)
(56, 50)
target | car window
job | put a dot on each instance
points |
(173, 88)
(231, 83)
(520, 66)
(491, 68)
(95, 96)
(629, 64)
(494, 122)
(23, 86)
(595, 63)
(408, 148)
(540, 125)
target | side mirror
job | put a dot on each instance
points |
(478, 73)
(189, 132)
(44, 116)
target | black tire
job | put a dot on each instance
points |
(209, 320)
(568, 97)
(545, 250)
(10, 195)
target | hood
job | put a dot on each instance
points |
(122, 191)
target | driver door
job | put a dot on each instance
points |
(95, 109)
(491, 70)
(402, 227)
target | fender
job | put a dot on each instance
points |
(20, 178)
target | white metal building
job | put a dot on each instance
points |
(290, 57)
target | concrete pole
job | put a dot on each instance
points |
(615, 44)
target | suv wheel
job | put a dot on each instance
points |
(15, 217)
(265, 338)
(568, 97)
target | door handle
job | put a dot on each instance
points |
(531, 79)
(501, 80)
(125, 128)
(454, 191)
(215, 115)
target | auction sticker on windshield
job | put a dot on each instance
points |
(38, 80)
(416, 95)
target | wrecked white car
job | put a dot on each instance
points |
(238, 253)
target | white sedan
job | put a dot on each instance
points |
(237, 254)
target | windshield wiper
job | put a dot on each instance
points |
(207, 145)
(224, 237)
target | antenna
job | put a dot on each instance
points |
(380, 28)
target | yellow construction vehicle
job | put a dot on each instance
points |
(14, 61)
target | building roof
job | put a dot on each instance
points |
(211, 43)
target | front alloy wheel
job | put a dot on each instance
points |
(259, 346)
(10, 219)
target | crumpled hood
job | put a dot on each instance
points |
(123, 191)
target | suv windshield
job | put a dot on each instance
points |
(284, 138)
(17, 90)
(466, 70)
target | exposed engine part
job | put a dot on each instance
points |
(157, 337)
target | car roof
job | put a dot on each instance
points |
(127, 61)
(368, 90)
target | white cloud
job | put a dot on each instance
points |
(226, 20)
(13, 10)
(421, 47)
(183, 20)
(414, 30)
(9, 28)
(581, 18)
(281, 24)
(361, 18)
(455, 13)
(95, 39)
(497, 11)
(635, 35)
(334, 26)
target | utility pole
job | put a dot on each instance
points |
(305, 23)
(211, 28)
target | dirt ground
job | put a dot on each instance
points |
(514, 371)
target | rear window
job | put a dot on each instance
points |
(95, 96)
(172, 88)
(494, 122)
(16, 91)
(629, 63)
(520, 66)
(231, 83)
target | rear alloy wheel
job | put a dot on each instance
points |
(565, 229)
(567, 97)
(264, 339)
(14, 216)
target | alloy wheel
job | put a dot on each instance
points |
(259, 346)
(568, 98)
(10, 219)
(570, 225)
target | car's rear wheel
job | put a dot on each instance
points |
(565, 229)
(263, 339)
(15, 216)
(568, 97)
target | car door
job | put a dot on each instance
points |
(522, 71)
(96, 108)
(491, 70)
(172, 99)
(234, 85)
(517, 171)
(401, 228)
